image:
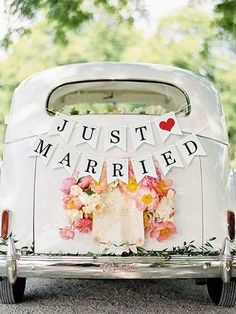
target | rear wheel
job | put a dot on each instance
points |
(12, 293)
(222, 294)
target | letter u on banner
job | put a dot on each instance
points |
(143, 166)
(167, 158)
(90, 166)
(87, 134)
(62, 125)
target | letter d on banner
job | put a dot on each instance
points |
(190, 147)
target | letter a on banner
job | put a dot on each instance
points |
(143, 166)
(167, 158)
(88, 134)
(141, 134)
(67, 158)
(62, 125)
(167, 124)
(90, 166)
(190, 147)
(117, 169)
(43, 147)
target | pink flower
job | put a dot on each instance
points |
(83, 225)
(149, 182)
(67, 183)
(67, 233)
(162, 231)
(85, 182)
(72, 202)
(162, 187)
(146, 199)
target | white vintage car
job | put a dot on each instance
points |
(115, 170)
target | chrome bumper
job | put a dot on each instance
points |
(104, 267)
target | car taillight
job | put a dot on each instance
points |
(231, 224)
(5, 223)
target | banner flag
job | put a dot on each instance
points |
(87, 134)
(90, 166)
(66, 157)
(43, 147)
(62, 125)
(190, 147)
(168, 157)
(117, 169)
(167, 124)
(142, 133)
(115, 137)
(143, 166)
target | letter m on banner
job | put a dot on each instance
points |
(43, 147)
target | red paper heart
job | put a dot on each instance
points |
(167, 125)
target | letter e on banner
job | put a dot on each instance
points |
(43, 147)
(190, 147)
(117, 169)
(167, 158)
(143, 166)
(62, 125)
(67, 158)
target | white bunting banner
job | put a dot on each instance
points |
(142, 133)
(43, 147)
(143, 166)
(87, 134)
(115, 137)
(167, 124)
(66, 157)
(62, 125)
(90, 166)
(190, 147)
(167, 158)
(117, 169)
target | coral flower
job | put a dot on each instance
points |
(84, 183)
(70, 202)
(162, 231)
(67, 233)
(146, 199)
(67, 184)
(147, 220)
(83, 225)
(162, 187)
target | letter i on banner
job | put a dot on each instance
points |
(62, 125)
(143, 166)
(43, 147)
(90, 166)
(167, 158)
(117, 169)
(167, 124)
(66, 157)
(88, 134)
(190, 147)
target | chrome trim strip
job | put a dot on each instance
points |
(104, 267)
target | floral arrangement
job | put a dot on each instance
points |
(84, 198)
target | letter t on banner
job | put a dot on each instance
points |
(142, 133)
(143, 166)
(190, 147)
(168, 157)
(62, 125)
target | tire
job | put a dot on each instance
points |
(222, 294)
(12, 293)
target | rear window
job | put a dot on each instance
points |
(118, 97)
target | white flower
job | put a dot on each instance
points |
(92, 203)
(75, 190)
(165, 209)
(74, 214)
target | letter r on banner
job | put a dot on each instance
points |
(90, 166)
(117, 169)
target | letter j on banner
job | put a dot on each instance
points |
(62, 125)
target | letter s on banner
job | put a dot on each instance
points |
(43, 147)
(117, 169)
(143, 166)
(90, 166)
(115, 137)
(62, 125)
(67, 158)
(190, 147)
(167, 158)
